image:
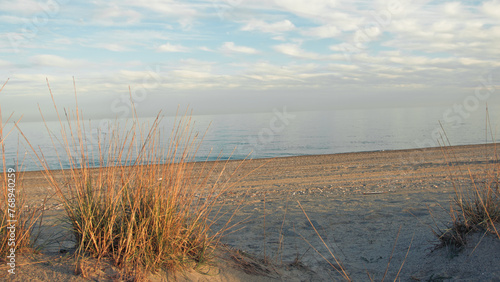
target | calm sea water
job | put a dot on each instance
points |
(281, 133)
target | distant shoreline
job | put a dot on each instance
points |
(413, 150)
(396, 151)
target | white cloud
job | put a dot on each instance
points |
(112, 47)
(444, 26)
(175, 8)
(128, 75)
(453, 8)
(492, 9)
(190, 74)
(366, 35)
(408, 25)
(279, 38)
(324, 31)
(316, 8)
(24, 7)
(195, 65)
(465, 35)
(56, 61)
(8, 19)
(343, 67)
(231, 47)
(167, 47)
(471, 61)
(276, 27)
(294, 50)
(204, 48)
(114, 14)
(4, 63)
(345, 16)
(415, 60)
(277, 75)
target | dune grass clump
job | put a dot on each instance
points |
(17, 219)
(480, 205)
(474, 207)
(476, 204)
(132, 199)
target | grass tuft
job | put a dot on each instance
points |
(132, 200)
(480, 206)
(476, 204)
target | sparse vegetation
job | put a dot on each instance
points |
(132, 200)
(18, 220)
(480, 206)
(476, 204)
(475, 207)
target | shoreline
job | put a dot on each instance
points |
(338, 174)
(264, 159)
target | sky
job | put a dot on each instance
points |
(233, 56)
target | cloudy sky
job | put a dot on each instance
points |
(245, 56)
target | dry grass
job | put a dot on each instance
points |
(480, 204)
(476, 204)
(17, 219)
(475, 207)
(134, 201)
(337, 265)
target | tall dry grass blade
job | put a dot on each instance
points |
(5, 83)
(14, 211)
(404, 260)
(341, 271)
(392, 253)
(281, 237)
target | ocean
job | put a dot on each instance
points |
(281, 133)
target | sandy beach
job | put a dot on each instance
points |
(361, 204)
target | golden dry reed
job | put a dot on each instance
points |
(131, 199)
(17, 219)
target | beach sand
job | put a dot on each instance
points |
(362, 205)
